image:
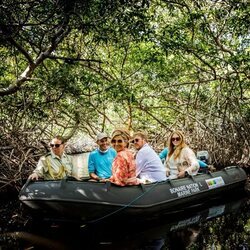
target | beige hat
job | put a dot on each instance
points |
(122, 132)
(101, 136)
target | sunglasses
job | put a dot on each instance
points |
(55, 145)
(135, 140)
(117, 141)
(175, 139)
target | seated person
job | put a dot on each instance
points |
(163, 155)
(100, 160)
(54, 165)
(149, 167)
(181, 160)
(123, 167)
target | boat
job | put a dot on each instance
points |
(88, 201)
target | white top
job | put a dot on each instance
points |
(149, 166)
(186, 161)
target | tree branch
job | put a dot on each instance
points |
(27, 73)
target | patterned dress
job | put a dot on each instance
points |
(124, 169)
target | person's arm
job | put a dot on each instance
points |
(189, 156)
(94, 176)
(140, 162)
(91, 167)
(39, 170)
(202, 164)
(119, 171)
(34, 176)
(163, 154)
(167, 168)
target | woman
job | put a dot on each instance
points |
(181, 160)
(123, 167)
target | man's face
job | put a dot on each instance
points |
(103, 144)
(138, 142)
(57, 147)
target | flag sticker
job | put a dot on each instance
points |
(215, 182)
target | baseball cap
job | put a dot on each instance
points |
(101, 136)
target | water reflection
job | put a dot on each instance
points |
(181, 239)
(212, 226)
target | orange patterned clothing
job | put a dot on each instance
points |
(124, 169)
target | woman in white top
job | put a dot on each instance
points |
(181, 160)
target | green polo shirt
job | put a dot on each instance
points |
(51, 166)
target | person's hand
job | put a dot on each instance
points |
(76, 177)
(211, 168)
(167, 172)
(181, 174)
(104, 180)
(93, 180)
(33, 176)
(94, 177)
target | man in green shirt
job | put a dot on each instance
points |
(54, 165)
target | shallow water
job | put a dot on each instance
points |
(221, 224)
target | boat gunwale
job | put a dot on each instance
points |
(201, 192)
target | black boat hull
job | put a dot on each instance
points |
(90, 201)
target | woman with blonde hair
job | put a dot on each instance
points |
(123, 167)
(181, 160)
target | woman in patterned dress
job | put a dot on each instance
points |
(123, 167)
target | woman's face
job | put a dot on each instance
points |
(118, 143)
(175, 139)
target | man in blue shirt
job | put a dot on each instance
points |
(100, 160)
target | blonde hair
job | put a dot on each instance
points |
(123, 133)
(143, 135)
(175, 151)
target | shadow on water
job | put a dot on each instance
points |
(220, 224)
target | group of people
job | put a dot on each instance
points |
(123, 159)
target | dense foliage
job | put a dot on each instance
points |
(78, 67)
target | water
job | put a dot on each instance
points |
(221, 224)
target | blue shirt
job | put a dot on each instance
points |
(163, 155)
(100, 162)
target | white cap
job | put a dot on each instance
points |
(101, 136)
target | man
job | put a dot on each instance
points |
(100, 160)
(54, 165)
(149, 167)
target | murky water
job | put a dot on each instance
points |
(221, 224)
